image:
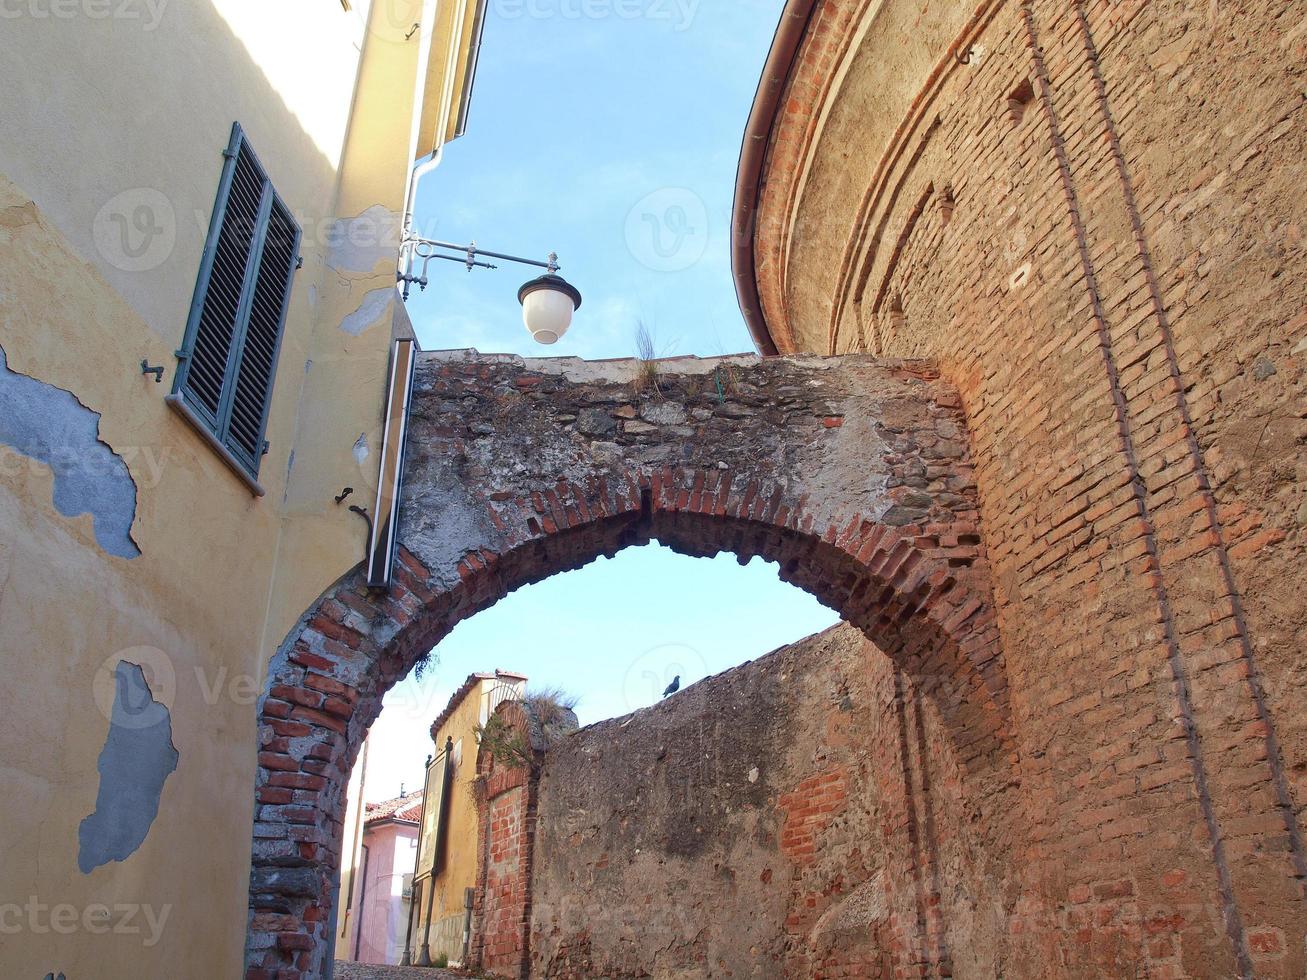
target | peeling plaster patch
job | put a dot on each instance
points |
(138, 756)
(861, 909)
(440, 522)
(51, 426)
(359, 244)
(18, 215)
(361, 448)
(374, 305)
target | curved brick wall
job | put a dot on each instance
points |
(1094, 224)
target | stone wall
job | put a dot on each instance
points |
(798, 816)
(1091, 213)
(849, 473)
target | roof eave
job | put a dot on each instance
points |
(763, 118)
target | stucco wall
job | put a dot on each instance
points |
(783, 819)
(1091, 213)
(383, 913)
(448, 912)
(126, 543)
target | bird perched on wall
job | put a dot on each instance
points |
(674, 686)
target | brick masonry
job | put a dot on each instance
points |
(853, 474)
(1090, 214)
(506, 804)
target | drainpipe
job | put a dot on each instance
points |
(469, 901)
(790, 32)
(363, 892)
(414, 902)
(424, 167)
(428, 26)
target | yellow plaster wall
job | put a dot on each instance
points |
(460, 870)
(104, 114)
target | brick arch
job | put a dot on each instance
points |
(917, 588)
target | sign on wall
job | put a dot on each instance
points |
(430, 816)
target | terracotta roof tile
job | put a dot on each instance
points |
(407, 807)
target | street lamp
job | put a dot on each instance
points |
(548, 301)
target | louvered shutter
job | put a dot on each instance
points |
(229, 356)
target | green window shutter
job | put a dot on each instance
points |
(238, 314)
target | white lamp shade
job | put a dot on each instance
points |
(547, 315)
(547, 307)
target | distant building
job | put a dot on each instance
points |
(383, 887)
(446, 865)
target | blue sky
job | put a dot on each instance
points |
(612, 140)
(613, 633)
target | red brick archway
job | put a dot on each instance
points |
(919, 590)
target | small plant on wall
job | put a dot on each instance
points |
(508, 746)
(646, 369)
(550, 705)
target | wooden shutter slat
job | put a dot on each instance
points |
(211, 350)
(263, 332)
(237, 318)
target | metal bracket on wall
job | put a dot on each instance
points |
(363, 513)
(157, 371)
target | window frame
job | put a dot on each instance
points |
(216, 427)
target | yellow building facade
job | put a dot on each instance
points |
(150, 564)
(447, 843)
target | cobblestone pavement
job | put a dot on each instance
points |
(366, 971)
